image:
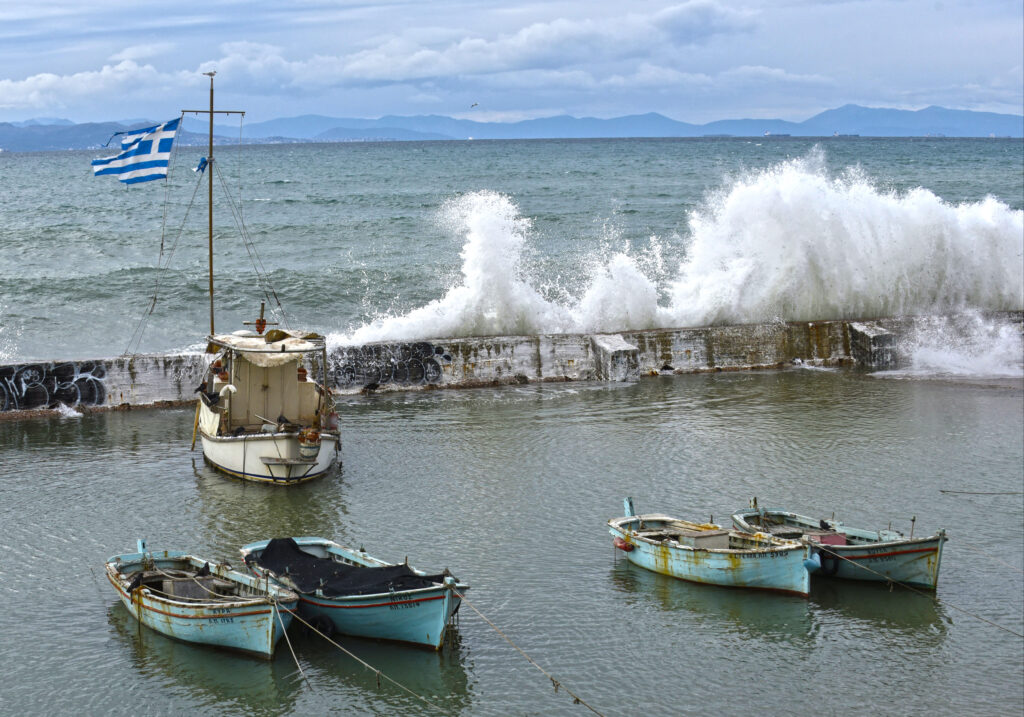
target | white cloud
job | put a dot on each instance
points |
(142, 52)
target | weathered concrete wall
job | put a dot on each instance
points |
(494, 360)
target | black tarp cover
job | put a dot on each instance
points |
(308, 573)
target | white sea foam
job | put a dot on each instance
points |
(790, 243)
(66, 411)
(965, 345)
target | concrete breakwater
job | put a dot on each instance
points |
(153, 380)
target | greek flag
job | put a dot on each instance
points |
(144, 154)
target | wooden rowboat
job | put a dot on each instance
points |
(853, 553)
(191, 599)
(347, 591)
(705, 553)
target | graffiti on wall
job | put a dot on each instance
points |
(401, 364)
(47, 385)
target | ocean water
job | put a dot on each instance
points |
(510, 488)
(385, 241)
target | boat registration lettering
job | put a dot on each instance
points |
(219, 620)
(400, 605)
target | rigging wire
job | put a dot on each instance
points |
(262, 274)
(135, 340)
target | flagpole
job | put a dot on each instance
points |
(209, 161)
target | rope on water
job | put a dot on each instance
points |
(976, 492)
(989, 556)
(921, 592)
(380, 675)
(284, 632)
(576, 700)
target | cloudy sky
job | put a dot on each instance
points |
(695, 60)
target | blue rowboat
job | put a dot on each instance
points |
(191, 599)
(704, 553)
(853, 553)
(347, 591)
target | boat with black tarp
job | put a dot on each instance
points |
(349, 592)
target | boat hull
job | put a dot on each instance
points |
(419, 617)
(875, 556)
(269, 458)
(911, 562)
(779, 569)
(252, 625)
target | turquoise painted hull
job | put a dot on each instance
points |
(875, 556)
(776, 566)
(420, 617)
(251, 622)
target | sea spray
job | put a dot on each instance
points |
(795, 244)
(789, 243)
(492, 296)
(965, 345)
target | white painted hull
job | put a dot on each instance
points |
(269, 457)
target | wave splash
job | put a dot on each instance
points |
(788, 243)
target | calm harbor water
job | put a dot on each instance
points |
(511, 488)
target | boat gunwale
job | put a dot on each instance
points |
(350, 554)
(776, 545)
(275, 594)
(843, 530)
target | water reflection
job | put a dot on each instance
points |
(877, 607)
(438, 677)
(214, 677)
(238, 512)
(753, 613)
(252, 686)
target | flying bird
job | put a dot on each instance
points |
(473, 105)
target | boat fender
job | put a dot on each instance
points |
(622, 544)
(829, 562)
(813, 563)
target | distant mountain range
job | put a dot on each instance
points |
(54, 134)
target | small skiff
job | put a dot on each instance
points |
(705, 553)
(853, 553)
(193, 600)
(347, 591)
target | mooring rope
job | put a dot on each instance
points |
(932, 596)
(989, 556)
(978, 492)
(555, 683)
(284, 633)
(380, 675)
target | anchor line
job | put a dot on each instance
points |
(576, 700)
(371, 668)
(284, 633)
(990, 557)
(921, 592)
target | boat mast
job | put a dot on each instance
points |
(209, 171)
(209, 178)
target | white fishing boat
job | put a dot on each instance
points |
(259, 416)
(265, 411)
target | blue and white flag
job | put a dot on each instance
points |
(145, 154)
